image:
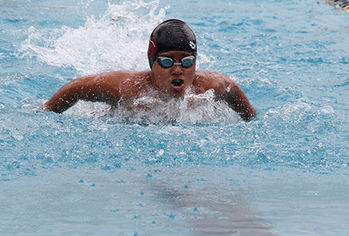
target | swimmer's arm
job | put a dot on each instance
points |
(237, 100)
(227, 90)
(101, 88)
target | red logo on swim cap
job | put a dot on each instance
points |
(153, 47)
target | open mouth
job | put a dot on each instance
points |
(177, 83)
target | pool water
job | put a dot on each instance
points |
(185, 171)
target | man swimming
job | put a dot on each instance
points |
(172, 58)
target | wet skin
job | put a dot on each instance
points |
(173, 82)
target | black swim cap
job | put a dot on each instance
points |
(171, 35)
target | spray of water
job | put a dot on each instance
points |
(151, 109)
(117, 40)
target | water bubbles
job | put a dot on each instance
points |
(160, 153)
(326, 110)
(86, 3)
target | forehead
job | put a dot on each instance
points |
(175, 54)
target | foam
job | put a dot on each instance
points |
(192, 109)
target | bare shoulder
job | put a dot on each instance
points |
(134, 83)
(127, 83)
(205, 80)
(121, 76)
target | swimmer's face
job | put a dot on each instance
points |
(174, 80)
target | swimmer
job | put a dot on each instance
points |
(172, 55)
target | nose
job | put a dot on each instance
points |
(176, 70)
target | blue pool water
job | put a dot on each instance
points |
(202, 171)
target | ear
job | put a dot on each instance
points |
(152, 50)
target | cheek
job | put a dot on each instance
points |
(190, 74)
(161, 75)
(158, 77)
(157, 71)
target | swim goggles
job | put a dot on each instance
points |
(167, 62)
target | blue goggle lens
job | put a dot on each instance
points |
(167, 62)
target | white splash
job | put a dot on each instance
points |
(192, 109)
(118, 40)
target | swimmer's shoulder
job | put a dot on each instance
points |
(123, 75)
(130, 84)
(205, 80)
(121, 83)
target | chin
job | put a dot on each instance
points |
(176, 93)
